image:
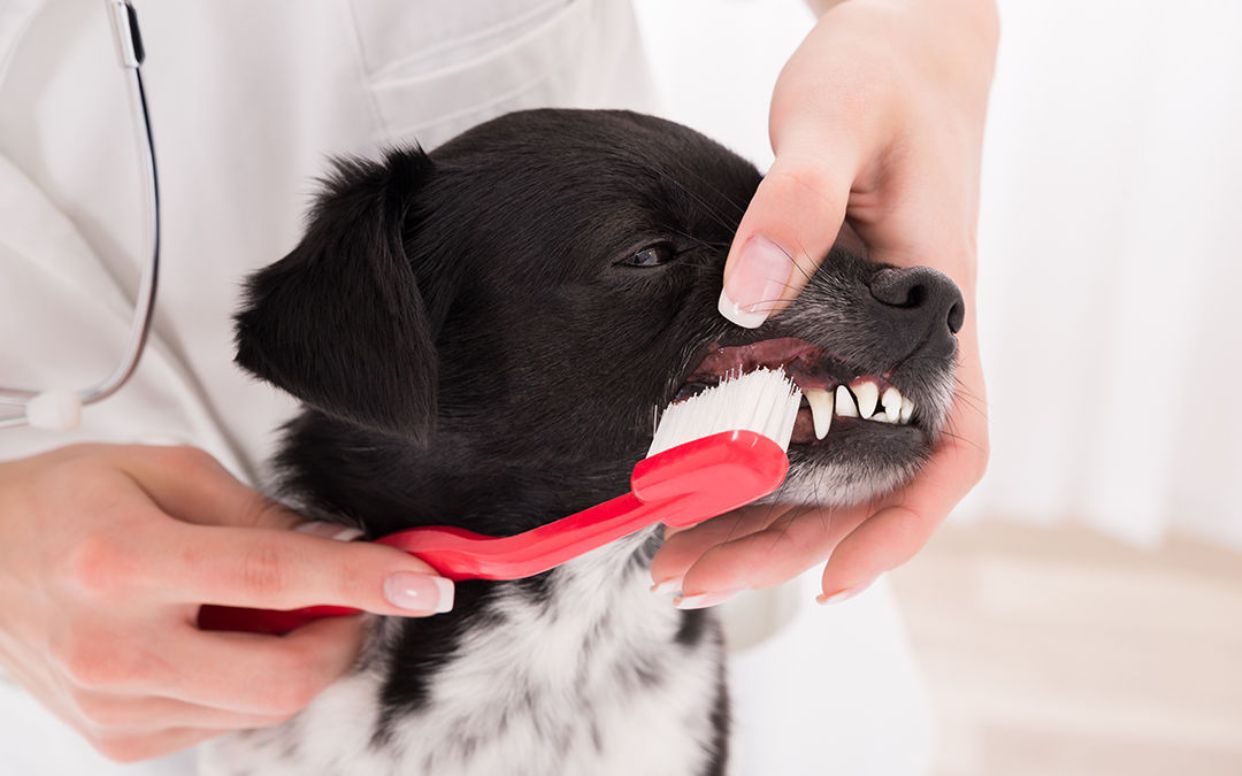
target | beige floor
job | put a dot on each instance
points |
(1062, 653)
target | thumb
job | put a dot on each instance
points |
(788, 229)
(190, 485)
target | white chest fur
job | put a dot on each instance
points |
(589, 681)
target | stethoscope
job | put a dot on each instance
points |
(60, 409)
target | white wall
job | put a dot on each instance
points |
(1110, 266)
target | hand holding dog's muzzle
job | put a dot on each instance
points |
(876, 123)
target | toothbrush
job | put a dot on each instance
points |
(712, 453)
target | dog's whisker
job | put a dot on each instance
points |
(737, 206)
(730, 226)
(693, 238)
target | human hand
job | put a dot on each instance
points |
(877, 122)
(106, 553)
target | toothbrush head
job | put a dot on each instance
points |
(764, 401)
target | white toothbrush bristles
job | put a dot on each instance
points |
(764, 401)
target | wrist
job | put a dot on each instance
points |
(979, 18)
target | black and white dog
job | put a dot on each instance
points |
(480, 337)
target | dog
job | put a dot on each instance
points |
(479, 337)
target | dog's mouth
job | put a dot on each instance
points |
(837, 397)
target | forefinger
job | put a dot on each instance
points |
(272, 569)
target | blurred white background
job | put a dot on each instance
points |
(1082, 612)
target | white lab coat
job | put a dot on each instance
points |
(247, 100)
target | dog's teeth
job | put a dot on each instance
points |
(892, 405)
(821, 409)
(907, 409)
(868, 396)
(845, 406)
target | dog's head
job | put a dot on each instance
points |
(526, 296)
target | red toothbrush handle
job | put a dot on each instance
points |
(272, 621)
(707, 477)
(680, 487)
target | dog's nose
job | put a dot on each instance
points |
(923, 307)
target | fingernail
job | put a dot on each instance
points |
(668, 587)
(703, 600)
(845, 594)
(421, 593)
(342, 533)
(759, 279)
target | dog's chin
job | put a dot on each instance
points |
(811, 482)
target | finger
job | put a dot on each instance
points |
(265, 568)
(896, 532)
(110, 714)
(266, 676)
(799, 539)
(683, 547)
(175, 562)
(132, 748)
(191, 485)
(229, 671)
(787, 230)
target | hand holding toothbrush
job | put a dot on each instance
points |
(877, 123)
(106, 552)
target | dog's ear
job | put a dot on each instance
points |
(341, 322)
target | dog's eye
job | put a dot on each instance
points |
(651, 256)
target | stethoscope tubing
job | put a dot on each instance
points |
(14, 402)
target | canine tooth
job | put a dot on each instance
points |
(907, 409)
(892, 405)
(868, 396)
(845, 406)
(821, 409)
